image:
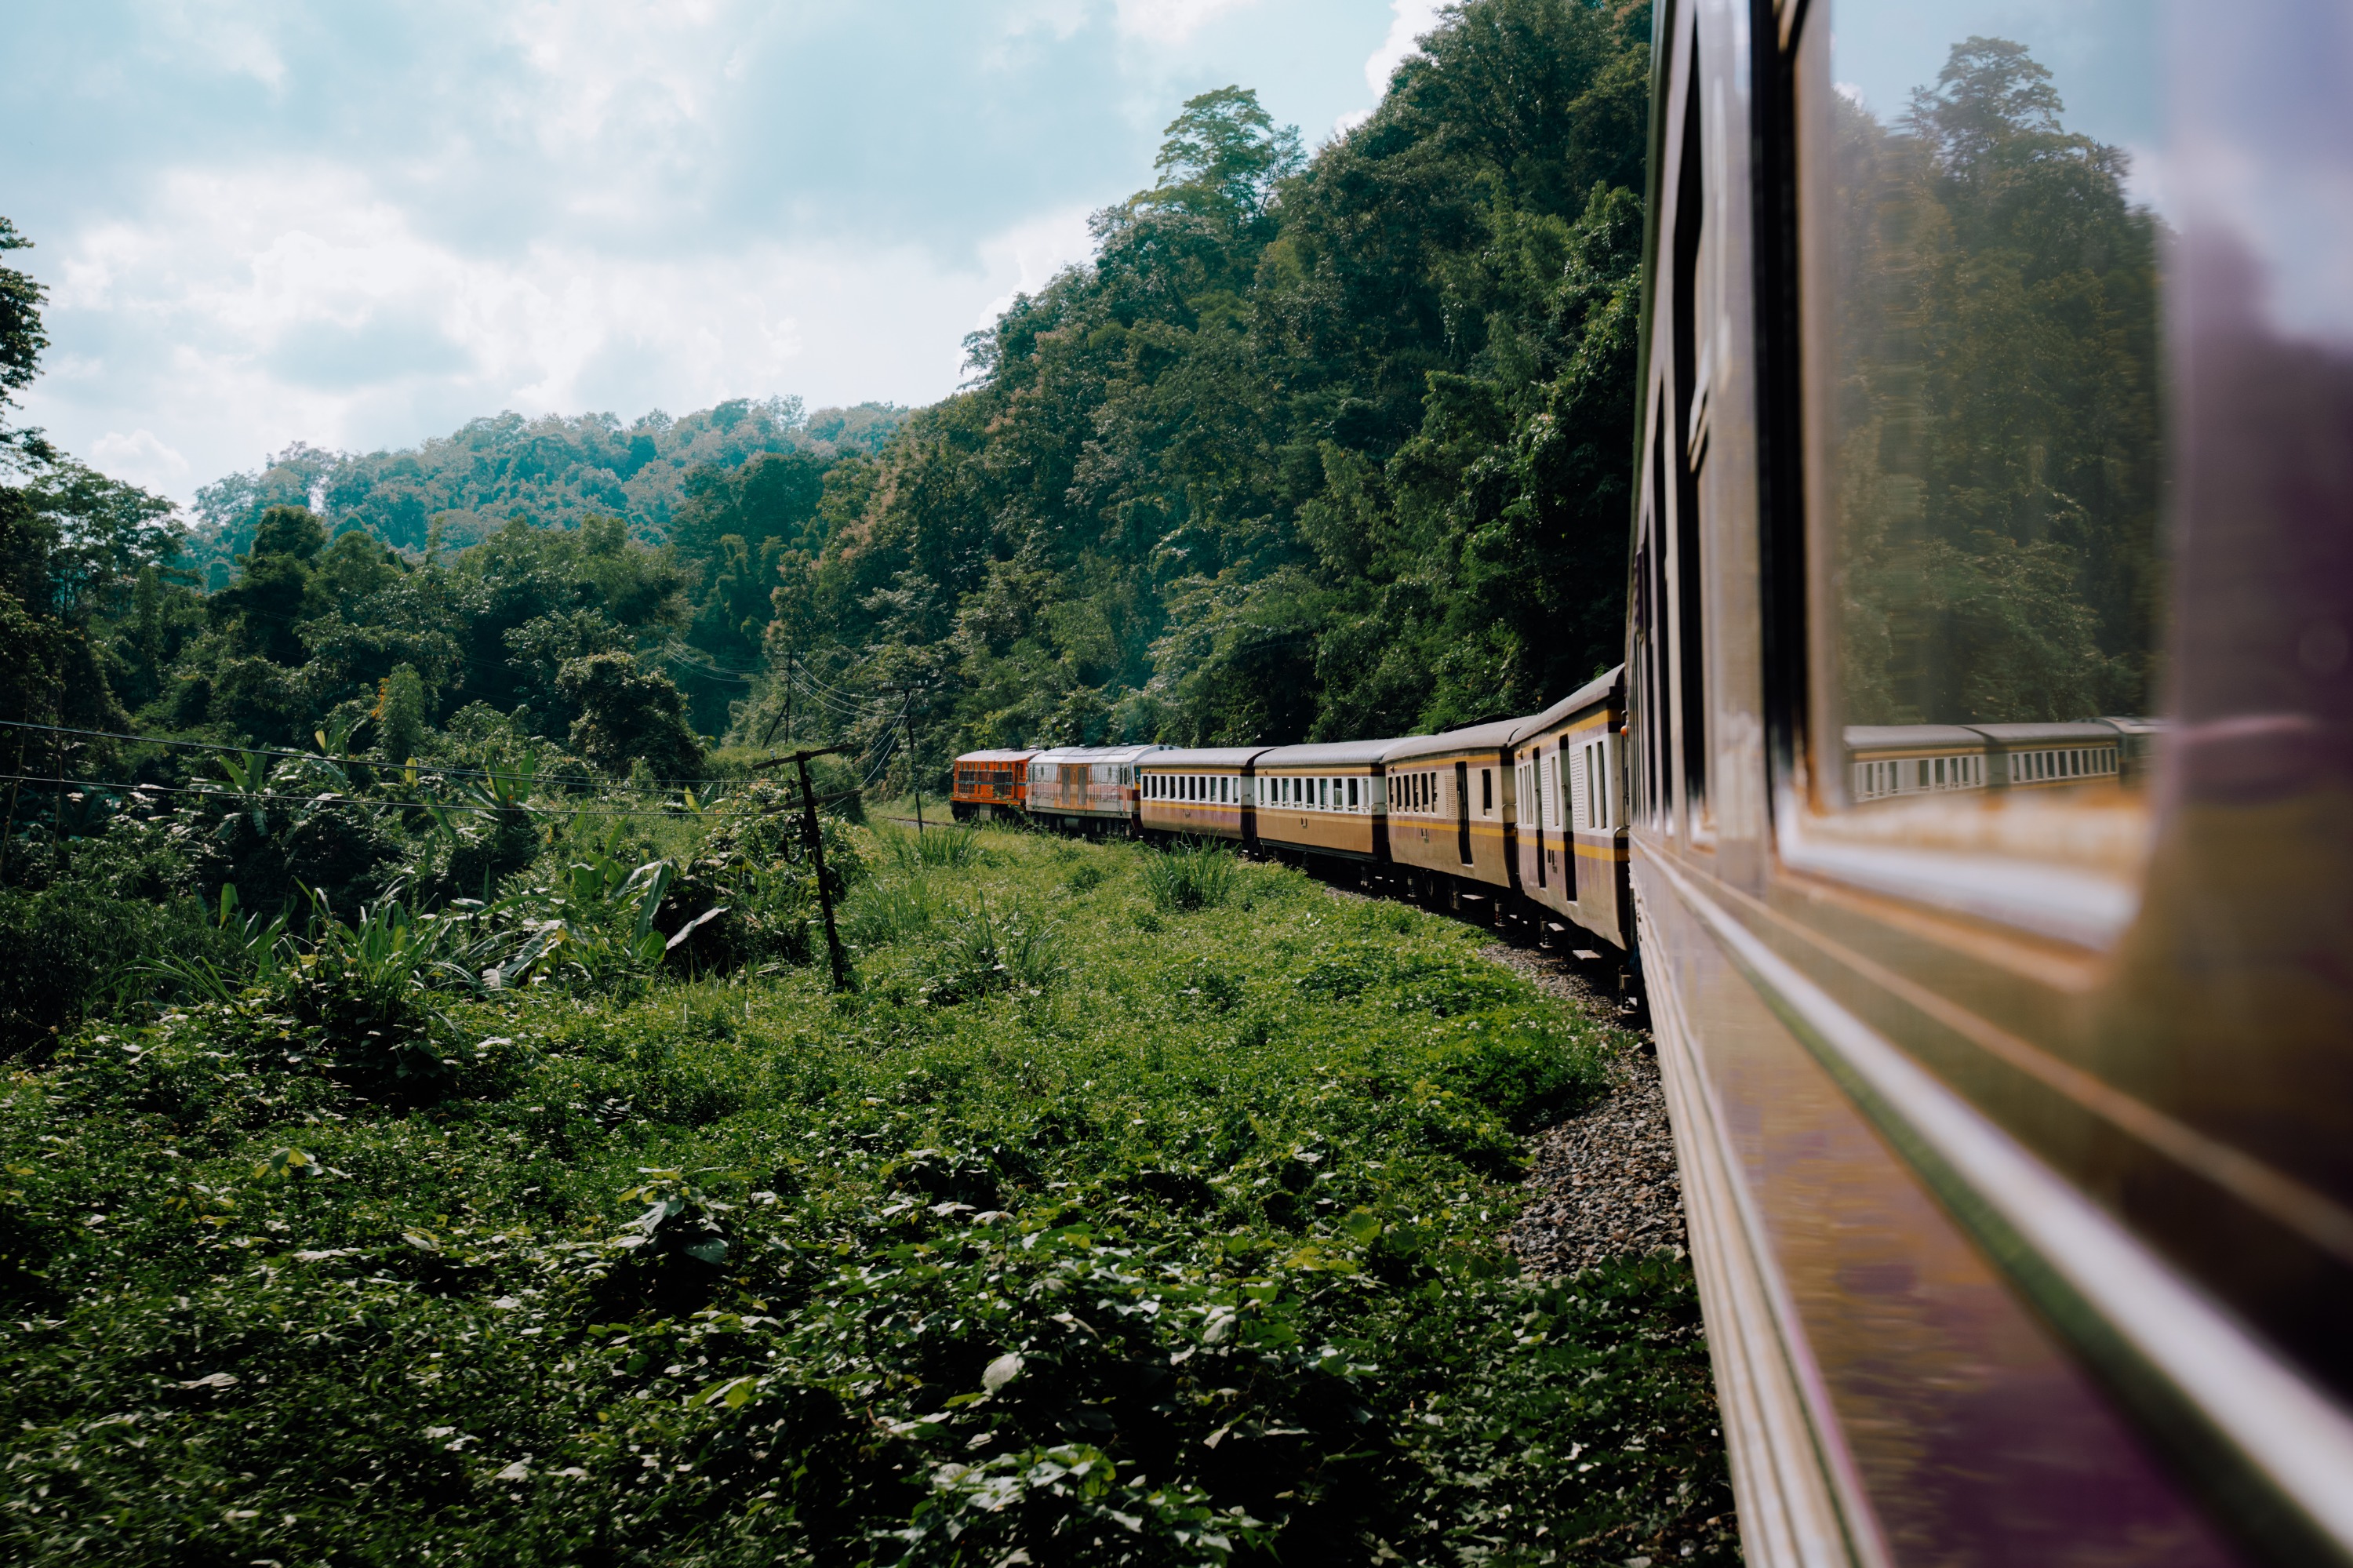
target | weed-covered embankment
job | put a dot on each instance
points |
(1132, 1211)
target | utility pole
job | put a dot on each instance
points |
(842, 978)
(788, 716)
(915, 761)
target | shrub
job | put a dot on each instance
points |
(983, 950)
(67, 948)
(1189, 876)
(884, 913)
(953, 849)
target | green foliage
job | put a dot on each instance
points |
(400, 712)
(953, 847)
(1189, 876)
(885, 911)
(628, 715)
(979, 950)
(21, 338)
(1178, 1259)
(459, 489)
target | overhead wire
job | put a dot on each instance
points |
(304, 756)
(215, 792)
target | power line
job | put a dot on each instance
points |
(307, 756)
(213, 793)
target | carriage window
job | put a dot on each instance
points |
(1984, 321)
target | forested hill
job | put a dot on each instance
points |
(553, 471)
(1321, 451)
(1310, 446)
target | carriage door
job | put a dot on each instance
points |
(1462, 810)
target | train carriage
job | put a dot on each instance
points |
(1888, 760)
(986, 785)
(1197, 792)
(2013, 1109)
(1450, 801)
(1568, 784)
(1323, 799)
(1087, 789)
(2047, 756)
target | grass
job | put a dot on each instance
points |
(1189, 876)
(1093, 1227)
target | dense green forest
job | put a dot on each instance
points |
(457, 490)
(1312, 447)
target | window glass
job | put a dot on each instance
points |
(1985, 303)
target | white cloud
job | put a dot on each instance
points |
(222, 34)
(1172, 21)
(266, 221)
(1032, 252)
(1410, 21)
(249, 310)
(139, 459)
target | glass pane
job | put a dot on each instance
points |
(1995, 430)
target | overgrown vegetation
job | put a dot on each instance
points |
(1063, 1236)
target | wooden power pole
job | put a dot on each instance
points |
(914, 760)
(815, 839)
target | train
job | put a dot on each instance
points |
(1995, 379)
(1519, 823)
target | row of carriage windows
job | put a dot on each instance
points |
(1217, 789)
(1576, 785)
(1879, 781)
(1305, 794)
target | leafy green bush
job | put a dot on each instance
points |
(1189, 876)
(882, 912)
(950, 848)
(981, 951)
(69, 947)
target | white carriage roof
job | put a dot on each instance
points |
(996, 756)
(1093, 753)
(1492, 736)
(1204, 756)
(1338, 754)
(1594, 690)
(2017, 735)
(1912, 738)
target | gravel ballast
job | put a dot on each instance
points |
(1603, 1183)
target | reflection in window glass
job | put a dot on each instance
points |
(1995, 432)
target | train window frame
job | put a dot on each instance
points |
(2051, 864)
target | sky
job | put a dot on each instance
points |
(361, 225)
(2105, 56)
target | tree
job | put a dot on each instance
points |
(628, 715)
(400, 713)
(21, 338)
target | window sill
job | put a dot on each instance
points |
(2069, 869)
